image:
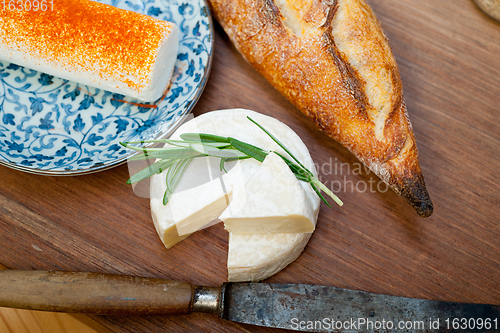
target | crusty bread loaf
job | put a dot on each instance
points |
(332, 60)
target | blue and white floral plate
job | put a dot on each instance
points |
(52, 126)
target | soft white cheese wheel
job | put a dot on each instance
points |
(250, 257)
(93, 44)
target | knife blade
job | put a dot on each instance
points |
(328, 309)
(298, 307)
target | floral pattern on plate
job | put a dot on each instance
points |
(57, 127)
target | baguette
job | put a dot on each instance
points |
(332, 60)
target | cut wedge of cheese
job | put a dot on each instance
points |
(189, 211)
(251, 257)
(200, 198)
(272, 201)
(202, 195)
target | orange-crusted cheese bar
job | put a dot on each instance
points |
(94, 44)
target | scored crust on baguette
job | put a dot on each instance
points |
(332, 60)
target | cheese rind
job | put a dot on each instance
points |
(271, 201)
(93, 44)
(257, 257)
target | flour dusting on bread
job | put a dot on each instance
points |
(295, 15)
(357, 36)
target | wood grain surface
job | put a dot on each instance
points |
(448, 52)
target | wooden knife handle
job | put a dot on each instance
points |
(97, 293)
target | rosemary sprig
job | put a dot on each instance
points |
(176, 157)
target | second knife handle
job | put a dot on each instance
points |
(96, 293)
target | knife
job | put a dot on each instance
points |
(291, 306)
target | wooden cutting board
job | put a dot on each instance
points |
(448, 52)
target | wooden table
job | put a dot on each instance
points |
(449, 56)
